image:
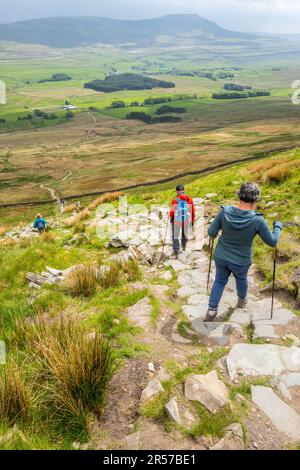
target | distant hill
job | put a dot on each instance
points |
(80, 31)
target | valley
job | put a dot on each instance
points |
(102, 149)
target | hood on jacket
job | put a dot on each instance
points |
(183, 196)
(239, 219)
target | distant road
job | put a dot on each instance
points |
(203, 171)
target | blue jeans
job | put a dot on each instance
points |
(223, 271)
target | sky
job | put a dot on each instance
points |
(272, 16)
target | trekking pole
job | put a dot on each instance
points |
(274, 277)
(164, 242)
(211, 245)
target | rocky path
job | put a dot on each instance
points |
(257, 380)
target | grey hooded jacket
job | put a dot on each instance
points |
(239, 228)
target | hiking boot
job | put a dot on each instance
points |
(211, 315)
(176, 255)
(242, 303)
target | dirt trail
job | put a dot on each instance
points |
(54, 196)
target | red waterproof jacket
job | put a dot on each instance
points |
(189, 200)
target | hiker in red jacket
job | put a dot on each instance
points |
(182, 215)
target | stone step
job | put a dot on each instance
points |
(217, 332)
(262, 360)
(283, 417)
(199, 311)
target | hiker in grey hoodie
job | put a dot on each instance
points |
(233, 255)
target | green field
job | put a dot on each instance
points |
(101, 150)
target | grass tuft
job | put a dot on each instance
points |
(15, 397)
(111, 277)
(108, 197)
(48, 237)
(274, 171)
(74, 371)
(75, 219)
(83, 281)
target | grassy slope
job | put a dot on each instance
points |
(104, 310)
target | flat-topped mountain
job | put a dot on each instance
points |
(80, 31)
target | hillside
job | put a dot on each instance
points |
(125, 321)
(75, 32)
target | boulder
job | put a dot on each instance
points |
(283, 417)
(37, 279)
(208, 390)
(153, 388)
(117, 243)
(151, 367)
(33, 285)
(146, 252)
(54, 272)
(173, 411)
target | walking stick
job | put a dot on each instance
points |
(274, 277)
(211, 245)
(164, 242)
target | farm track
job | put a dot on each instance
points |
(203, 171)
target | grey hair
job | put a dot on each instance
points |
(249, 192)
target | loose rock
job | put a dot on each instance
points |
(208, 390)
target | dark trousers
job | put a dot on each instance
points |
(223, 270)
(179, 231)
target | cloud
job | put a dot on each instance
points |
(247, 15)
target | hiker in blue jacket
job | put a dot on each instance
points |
(40, 224)
(233, 255)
